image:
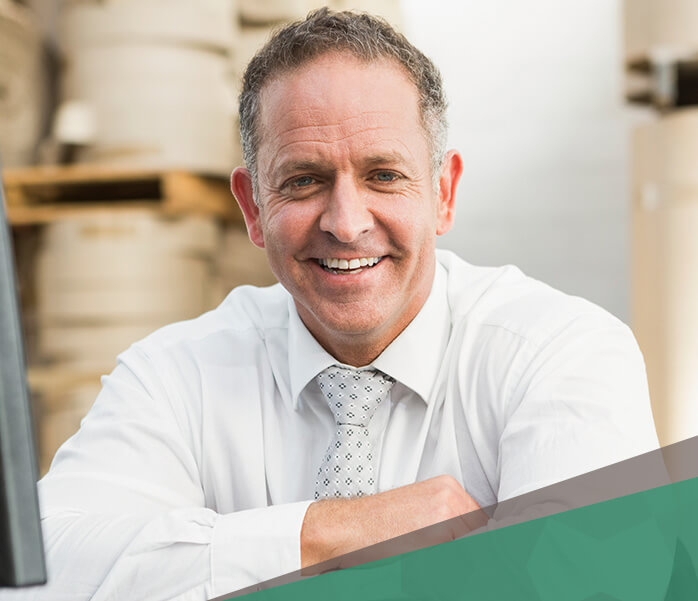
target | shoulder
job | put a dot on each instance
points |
(207, 361)
(504, 298)
(242, 321)
(511, 333)
(543, 377)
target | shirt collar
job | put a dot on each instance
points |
(413, 358)
(306, 358)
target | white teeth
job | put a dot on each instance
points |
(349, 264)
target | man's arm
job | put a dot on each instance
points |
(336, 527)
(124, 513)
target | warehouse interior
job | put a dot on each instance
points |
(577, 122)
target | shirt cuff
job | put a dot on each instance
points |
(254, 545)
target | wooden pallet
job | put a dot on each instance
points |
(36, 195)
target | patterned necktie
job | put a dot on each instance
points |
(347, 469)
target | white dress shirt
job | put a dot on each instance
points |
(191, 475)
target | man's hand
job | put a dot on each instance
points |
(338, 526)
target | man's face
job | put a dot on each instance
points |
(346, 207)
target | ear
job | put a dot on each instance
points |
(450, 176)
(241, 186)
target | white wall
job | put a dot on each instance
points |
(536, 110)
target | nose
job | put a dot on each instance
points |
(346, 215)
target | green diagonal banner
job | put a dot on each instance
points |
(636, 547)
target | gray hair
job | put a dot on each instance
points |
(366, 37)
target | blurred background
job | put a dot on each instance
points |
(577, 120)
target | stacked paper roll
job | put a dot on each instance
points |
(668, 27)
(390, 10)
(155, 76)
(261, 12)
(105, 281)
(61, 412)
(20, 85)
(250, 40)
(665, 264)
(240, 262)
(259, 19)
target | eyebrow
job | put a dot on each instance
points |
(293, 166)
(388, 158)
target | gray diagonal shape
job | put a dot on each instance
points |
(668, 465)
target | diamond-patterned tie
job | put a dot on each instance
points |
(347, 469)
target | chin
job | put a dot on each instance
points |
(356, 320)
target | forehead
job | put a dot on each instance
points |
(335, 96)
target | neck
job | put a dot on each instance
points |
(356, 355)
(359, 348)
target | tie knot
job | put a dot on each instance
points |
(354, 394)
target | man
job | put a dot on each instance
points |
(246, 443)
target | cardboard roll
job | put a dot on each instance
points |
(54, 430)
(241, 262)
(191, 155)
(51, 383)
(154, 105)
(104, 270)
(267, 12)
(142, 72)
(261, 19)
(212, 152)
(665, 308)
(21, 85)
(389, 10)
(666, 153)
(238, 263)
(79, 396)
(261, 12)
(183, 296)
(660, 27)
(250, 40)
(109, 267)
(88, 22)
(91, 347)
(176, 99)
(664, 267)
(61, 409)
(227, 9)
(156, 136)
(146, 232)
(58, 425)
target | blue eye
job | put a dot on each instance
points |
(386, 176)
(303, 181)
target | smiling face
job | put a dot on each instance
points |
(346, 208)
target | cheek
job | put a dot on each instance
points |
(412, 229)
(288, 228)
